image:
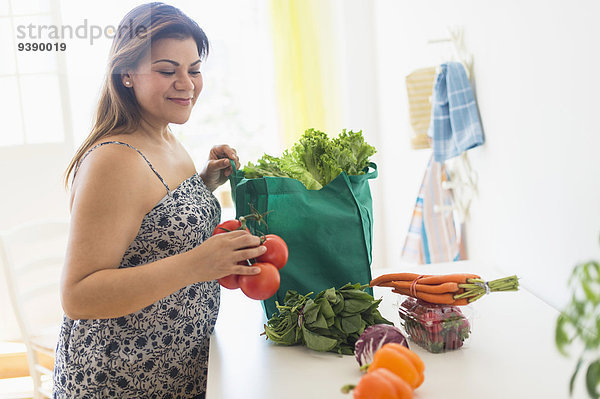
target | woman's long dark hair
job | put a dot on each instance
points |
(118, 111)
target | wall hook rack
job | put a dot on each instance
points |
(460, 54)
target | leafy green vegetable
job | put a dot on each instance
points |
(331, 322)
(315, 159)
(580, 320)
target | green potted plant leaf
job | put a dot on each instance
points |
(579, 324)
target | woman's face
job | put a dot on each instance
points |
(167, 81)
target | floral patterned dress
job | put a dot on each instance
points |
(160, 351)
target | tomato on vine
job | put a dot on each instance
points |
(277, 251)
(266, 283)
(230, 282)
(263, 285)
(229, 225)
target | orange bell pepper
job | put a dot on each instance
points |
(381, 384)
(401, 361)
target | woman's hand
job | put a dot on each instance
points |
(221, 254)
(218, 167)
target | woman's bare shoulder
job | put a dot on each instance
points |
(112, 170)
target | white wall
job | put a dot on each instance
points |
(538, 209)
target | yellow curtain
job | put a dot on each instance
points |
(305, 52)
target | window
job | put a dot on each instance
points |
(32, 80)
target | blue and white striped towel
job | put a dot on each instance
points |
(455, 126)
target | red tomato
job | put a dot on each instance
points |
(229, 225)
(231, 282)
(263, 285)
(277, 251)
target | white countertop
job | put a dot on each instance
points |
(510, 354)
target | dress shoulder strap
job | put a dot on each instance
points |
(127, 145)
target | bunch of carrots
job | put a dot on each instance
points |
(449, 289)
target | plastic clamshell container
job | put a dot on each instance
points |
(437, 328)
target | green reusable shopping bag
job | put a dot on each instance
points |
(328, 231)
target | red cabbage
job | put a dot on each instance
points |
(373, 338)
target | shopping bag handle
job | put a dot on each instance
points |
(233, 169)
(372, 174)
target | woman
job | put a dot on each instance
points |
(139, 286)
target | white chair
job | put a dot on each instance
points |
(32, 256)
